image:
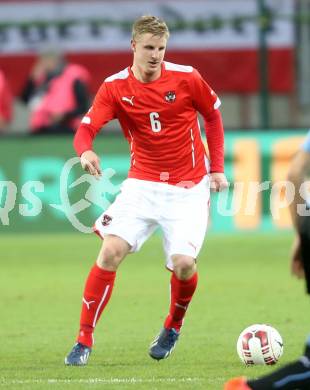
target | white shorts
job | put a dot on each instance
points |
(142, 206)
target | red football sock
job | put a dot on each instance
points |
(182, 292)
(97, 292)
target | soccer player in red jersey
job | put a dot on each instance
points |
(169, 179)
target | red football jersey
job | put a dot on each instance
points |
(159, 120)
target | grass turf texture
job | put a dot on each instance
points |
(244, 279)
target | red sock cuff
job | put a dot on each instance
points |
(103, 273)
(186, 282)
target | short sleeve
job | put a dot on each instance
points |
(102, 109)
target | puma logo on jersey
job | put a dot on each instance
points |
(129, 100)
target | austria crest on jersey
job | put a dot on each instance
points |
(170, 96)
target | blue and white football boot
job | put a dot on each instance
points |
(164, 344)
(78, 355)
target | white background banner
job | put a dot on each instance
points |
(105, 25)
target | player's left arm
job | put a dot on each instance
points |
(207, 103)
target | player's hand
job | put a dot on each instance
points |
(91, 163)
(218, 182)
(297, 265)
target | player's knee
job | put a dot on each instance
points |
(110, 257)
(184, 267)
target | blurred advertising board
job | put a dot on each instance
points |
(43, 189)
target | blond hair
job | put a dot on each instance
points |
(149, 24)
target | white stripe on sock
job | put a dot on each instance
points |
(100, 304)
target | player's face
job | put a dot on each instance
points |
(149, 51)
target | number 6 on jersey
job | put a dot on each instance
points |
(155, 123)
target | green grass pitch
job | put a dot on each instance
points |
(244, 279)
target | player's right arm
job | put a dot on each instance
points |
(101, 112)
(299, 168)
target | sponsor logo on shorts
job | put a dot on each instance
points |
(192, 245)
(106, 220)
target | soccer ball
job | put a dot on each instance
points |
(260, 344)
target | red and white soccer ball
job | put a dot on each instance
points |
(260, 344)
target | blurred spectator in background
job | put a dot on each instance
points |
(6, 103)
(56, 93)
